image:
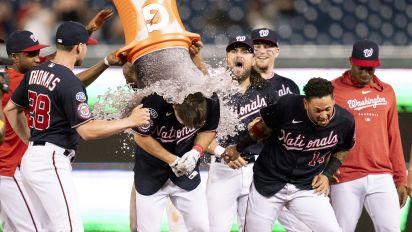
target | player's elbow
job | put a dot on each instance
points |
(85, 133)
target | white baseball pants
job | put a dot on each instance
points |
(16, 209)
(379, 196)
(46, 175)
(291, 223)
(174, 218)
(312, 209)
(227, 193)
(191, 204)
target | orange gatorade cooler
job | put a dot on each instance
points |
(151, 25)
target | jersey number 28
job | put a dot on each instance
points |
(39, 107)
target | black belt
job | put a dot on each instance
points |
(66, 152)
(247, 158)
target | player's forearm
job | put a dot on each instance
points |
(198, 61)
(341, 155)
(204, 139)
(335, 161)
(18, 121)
(89, 75)
(98, 129)
(154, 148)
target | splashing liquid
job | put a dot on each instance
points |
(172, 74)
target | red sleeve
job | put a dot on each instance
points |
(396, 155)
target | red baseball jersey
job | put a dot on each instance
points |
(378, 147)
(12, 150)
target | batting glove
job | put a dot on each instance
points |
(189, 160)
(175, 169)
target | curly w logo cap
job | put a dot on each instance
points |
(365, 53)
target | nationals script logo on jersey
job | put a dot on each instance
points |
(366, 103)
(298, 142)
(168, 135)
(251, 108)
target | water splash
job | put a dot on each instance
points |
(174, 83)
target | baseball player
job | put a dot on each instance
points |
(16, 213)
(267, 50)
(56, 101)
(227, 189)
(174, 218)
(167, 149)
(23, 49)
(374, 175)
(301, 132)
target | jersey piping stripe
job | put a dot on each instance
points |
(247, 206)
(27, 205)
(64, 194)
(82, 123)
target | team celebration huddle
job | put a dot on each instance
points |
(310, 160)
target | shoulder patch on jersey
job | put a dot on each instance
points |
(83, 110)
(81, 96)
(145, 128)
(153, 113)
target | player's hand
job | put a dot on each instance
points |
(402, 194)
(97, 21)
(140, 116)
(320, 184)
(4, 82)
(187, 163)
(230, 153)
(175, 170)
(116, 60)
(238, 163)
(195, 48)
(335, 178)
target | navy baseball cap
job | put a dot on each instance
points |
(23, 41)
(72, 33)
(241, 40)
(265, 34)
(365, 53)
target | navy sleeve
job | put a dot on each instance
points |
(349, 139)
(213, 114)
(295, 88)
(20, 95)
(74, 102)
(155, 105)
(270, 115)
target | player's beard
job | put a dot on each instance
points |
(261, 68)
(241, 77)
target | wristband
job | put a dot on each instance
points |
(1, 124)
(332, 166)
(106, 62)
(218, 151)
(244, 142)
(198, 148)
